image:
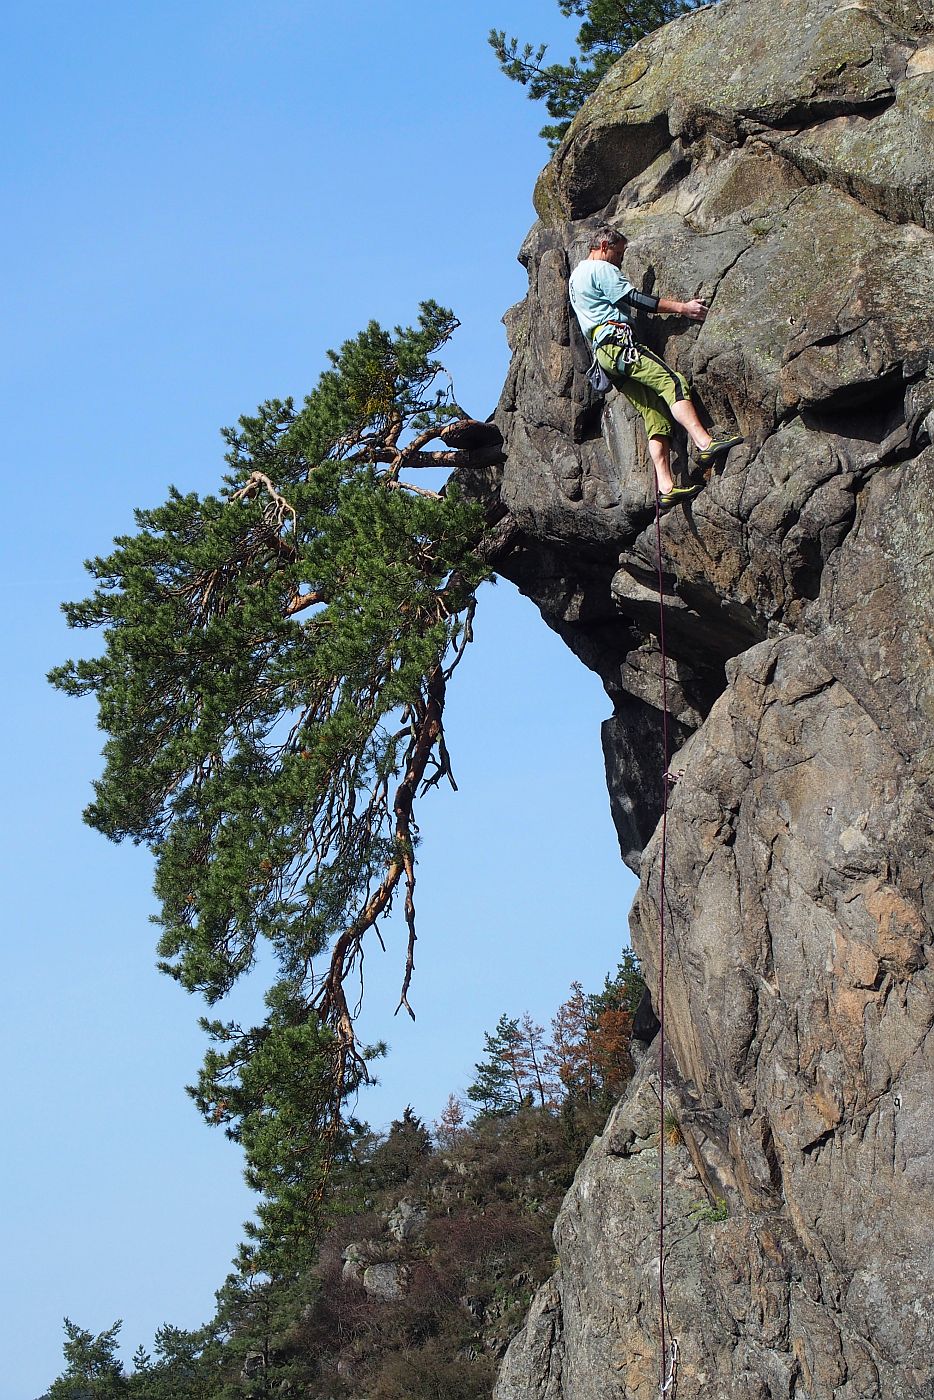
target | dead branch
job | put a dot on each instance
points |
(278, 507)
(446, 459)
(331, 998)
(298, 601)
(392, 484)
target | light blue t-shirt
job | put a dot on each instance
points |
(596, 287)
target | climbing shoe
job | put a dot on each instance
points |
(679, 493)
(719, 447)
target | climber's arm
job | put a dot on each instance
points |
(694, 310)
(642, 301)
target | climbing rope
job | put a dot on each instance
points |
(668, 1355)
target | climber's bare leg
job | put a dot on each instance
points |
(685, 413)
(660, 452)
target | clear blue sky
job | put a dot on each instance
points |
(199, 200)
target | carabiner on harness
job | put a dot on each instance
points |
(621, 337)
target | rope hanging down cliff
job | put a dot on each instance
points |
(668, 1348)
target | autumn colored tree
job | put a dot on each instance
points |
(589, 1051)
(450, 1125)
(571, 1054)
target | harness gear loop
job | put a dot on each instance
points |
(619, 340)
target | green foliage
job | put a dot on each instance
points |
(497, 1088)
(671, 1128)
(712, 1212)
(624, 991)
(186, 1366)
(272, 1089)
(610, 28)
(301, 1321)
(397, 1160)
(272, 687)
(93, 1371)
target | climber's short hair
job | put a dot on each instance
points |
(607, 234)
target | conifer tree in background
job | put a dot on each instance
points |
(587, 1060)
(625, 990)
(93, 1371)
(186, 1365)
(273, 689)
(610, 27)
(533, 1061)
(516, 1069)
(407, 1145)
(498, 1088)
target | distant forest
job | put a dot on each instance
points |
(421, 1265)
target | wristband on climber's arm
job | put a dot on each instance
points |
(640, 301)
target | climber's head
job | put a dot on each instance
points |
(608, 245)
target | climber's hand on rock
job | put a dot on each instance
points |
(695, 310)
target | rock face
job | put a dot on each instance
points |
(407, 1222)
(777, 162)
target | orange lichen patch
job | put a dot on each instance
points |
(636, 1358)
(771, 1247)
(901, 928)
(822, 1106)
(854, 963)
(802, 1360)
(848, 998)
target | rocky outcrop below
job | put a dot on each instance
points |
(777, 162)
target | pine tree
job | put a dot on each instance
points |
(93, 1371)
(610, 27)
(187, 1365)
(498, 1087)
(273, 689)
(623, 991)
(407, 1146)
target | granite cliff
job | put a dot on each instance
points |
(777, 162)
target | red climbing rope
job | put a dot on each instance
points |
(666, 1379)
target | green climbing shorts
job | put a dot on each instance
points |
(648, 383)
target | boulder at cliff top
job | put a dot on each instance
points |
(776, 161)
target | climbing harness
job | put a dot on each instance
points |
(626, 353)
(668, 1355)
(620, 345)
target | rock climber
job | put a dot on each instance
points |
(603, 301)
